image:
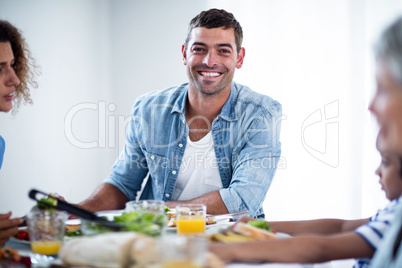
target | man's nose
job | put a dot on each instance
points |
(210, 59)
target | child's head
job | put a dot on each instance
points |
(390, 173)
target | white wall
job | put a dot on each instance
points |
(96, 57)
(310, 55)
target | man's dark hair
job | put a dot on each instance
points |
(216, 18)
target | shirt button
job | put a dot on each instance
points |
(180, 145)
(152, 157)
(167, 195)
(174, 172)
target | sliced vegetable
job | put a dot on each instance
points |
(167, 209)
(47, 204)
(260, 224)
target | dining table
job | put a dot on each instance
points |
(24, 249)
(222, 222)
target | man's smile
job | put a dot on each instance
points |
(210, 74)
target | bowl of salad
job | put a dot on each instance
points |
(137, 218)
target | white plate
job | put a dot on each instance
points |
(14, 239)
(73, 222)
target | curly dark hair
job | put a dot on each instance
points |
(24, 64)
(216, 18)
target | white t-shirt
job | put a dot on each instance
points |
(199, 173)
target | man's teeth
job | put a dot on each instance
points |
(209, 74)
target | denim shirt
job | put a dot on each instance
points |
(246, 143)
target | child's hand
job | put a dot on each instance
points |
(8, 227)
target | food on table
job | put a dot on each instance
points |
(230, 237)
(23, 234)
(250, 230)
(47, 203)
(120, 249)
(260, 224)
(241, 232)
(209, 220)
(11, 258)
(73, 230)
(142, 222)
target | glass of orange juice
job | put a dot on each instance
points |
(46, 230)
(190, 219)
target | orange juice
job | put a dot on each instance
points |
(46, 247)
(190, 224)
(180, 264)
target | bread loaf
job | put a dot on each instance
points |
(109, 250)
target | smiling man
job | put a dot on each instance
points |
(209, 141)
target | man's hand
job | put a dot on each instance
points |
(8, 227)
(105, 197)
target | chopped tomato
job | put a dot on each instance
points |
(23, 235)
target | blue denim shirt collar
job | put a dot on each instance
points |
(227, 112)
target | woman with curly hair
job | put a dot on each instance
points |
(16, 76)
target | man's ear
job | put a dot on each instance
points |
(240, 58)
(183, 52)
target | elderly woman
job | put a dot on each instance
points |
(15, 78)
(387, 108)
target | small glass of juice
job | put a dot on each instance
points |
(46, 231)
(190, 219)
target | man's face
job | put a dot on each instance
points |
(211, 58)
(387, 108)
(8, 78)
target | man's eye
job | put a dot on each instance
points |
(198, 49)
(225, 51)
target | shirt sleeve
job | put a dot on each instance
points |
(130, 169)
(255, 165)
(375, 229)
(384, 255)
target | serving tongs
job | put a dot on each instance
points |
(77, 211)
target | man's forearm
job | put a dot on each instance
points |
(105, 197)
(213, 201)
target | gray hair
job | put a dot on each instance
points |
(389, 49)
